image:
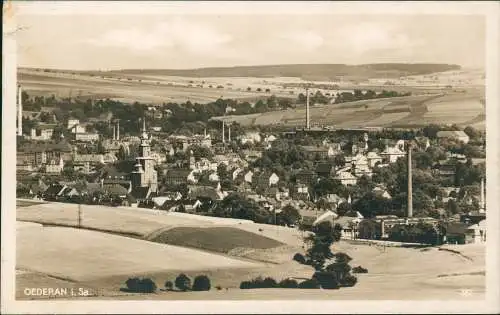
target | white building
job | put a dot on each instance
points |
(346, 178)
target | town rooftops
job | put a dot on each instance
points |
(41, 147)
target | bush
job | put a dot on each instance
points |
(349, 281)
(269, 283)
(246, 285)
(133, 284)
(288, 284)
(259, 283)
(148, 285)
(327, 280)
(299, 258)
(183, 282)
(169, 285)
(145, 285)
(201, 283)
(309, 284)
(359, 269)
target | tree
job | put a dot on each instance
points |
(289, 215)
(169, 285)
(201, 283)
(319, 245)
(183, 282)
(238, 206)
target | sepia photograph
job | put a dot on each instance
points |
(296, 153)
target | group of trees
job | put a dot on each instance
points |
(358, 95)
(335, 274)
(182, 283)
(419, 233)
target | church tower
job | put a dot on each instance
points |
(145, 174)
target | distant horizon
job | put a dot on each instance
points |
(462, 67)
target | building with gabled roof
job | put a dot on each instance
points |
(453, 134)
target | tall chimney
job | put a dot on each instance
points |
(410, 190)
(223, 133)
(118, 130)
(481, 202)
(114, 131)
(19, 110)
(307, 109)
(229, 133)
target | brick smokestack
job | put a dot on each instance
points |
(19, 110)
(410, 185)
(482, 206)
(229, 133)
(118, 130)
(223, 132)
(114, 132)
(307, 109)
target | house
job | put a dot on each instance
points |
(107, 183)
(75, 127)
(373, 158)
(473, 217)
(453, 134)
(86, 163)
(476, 233)
(265, 180)
(54, 166)
(349, 225)
(53, 191)
(301, 192)
(42, 132)
(248, 177)
(392, 154)
(346, 178)
(381, 192)
(177, 176)
(251, 155)
(86, 137)
(456, 233)
(321, 152)
(142, 194)
(250, 137)
(159, 157)
(305, 177)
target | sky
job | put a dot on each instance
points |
(184, 41)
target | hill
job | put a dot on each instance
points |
(305, 71)
(209, 238)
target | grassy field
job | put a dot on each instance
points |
(137, 88)
(92, 255)
(209, 238)
(64, 257)
(411, 111)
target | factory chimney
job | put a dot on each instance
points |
(482, 207)
(19, 110)
(307, 109)
(410, 190)
(114, 132)
(118, 130)
(229, 133)
(223, 133)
